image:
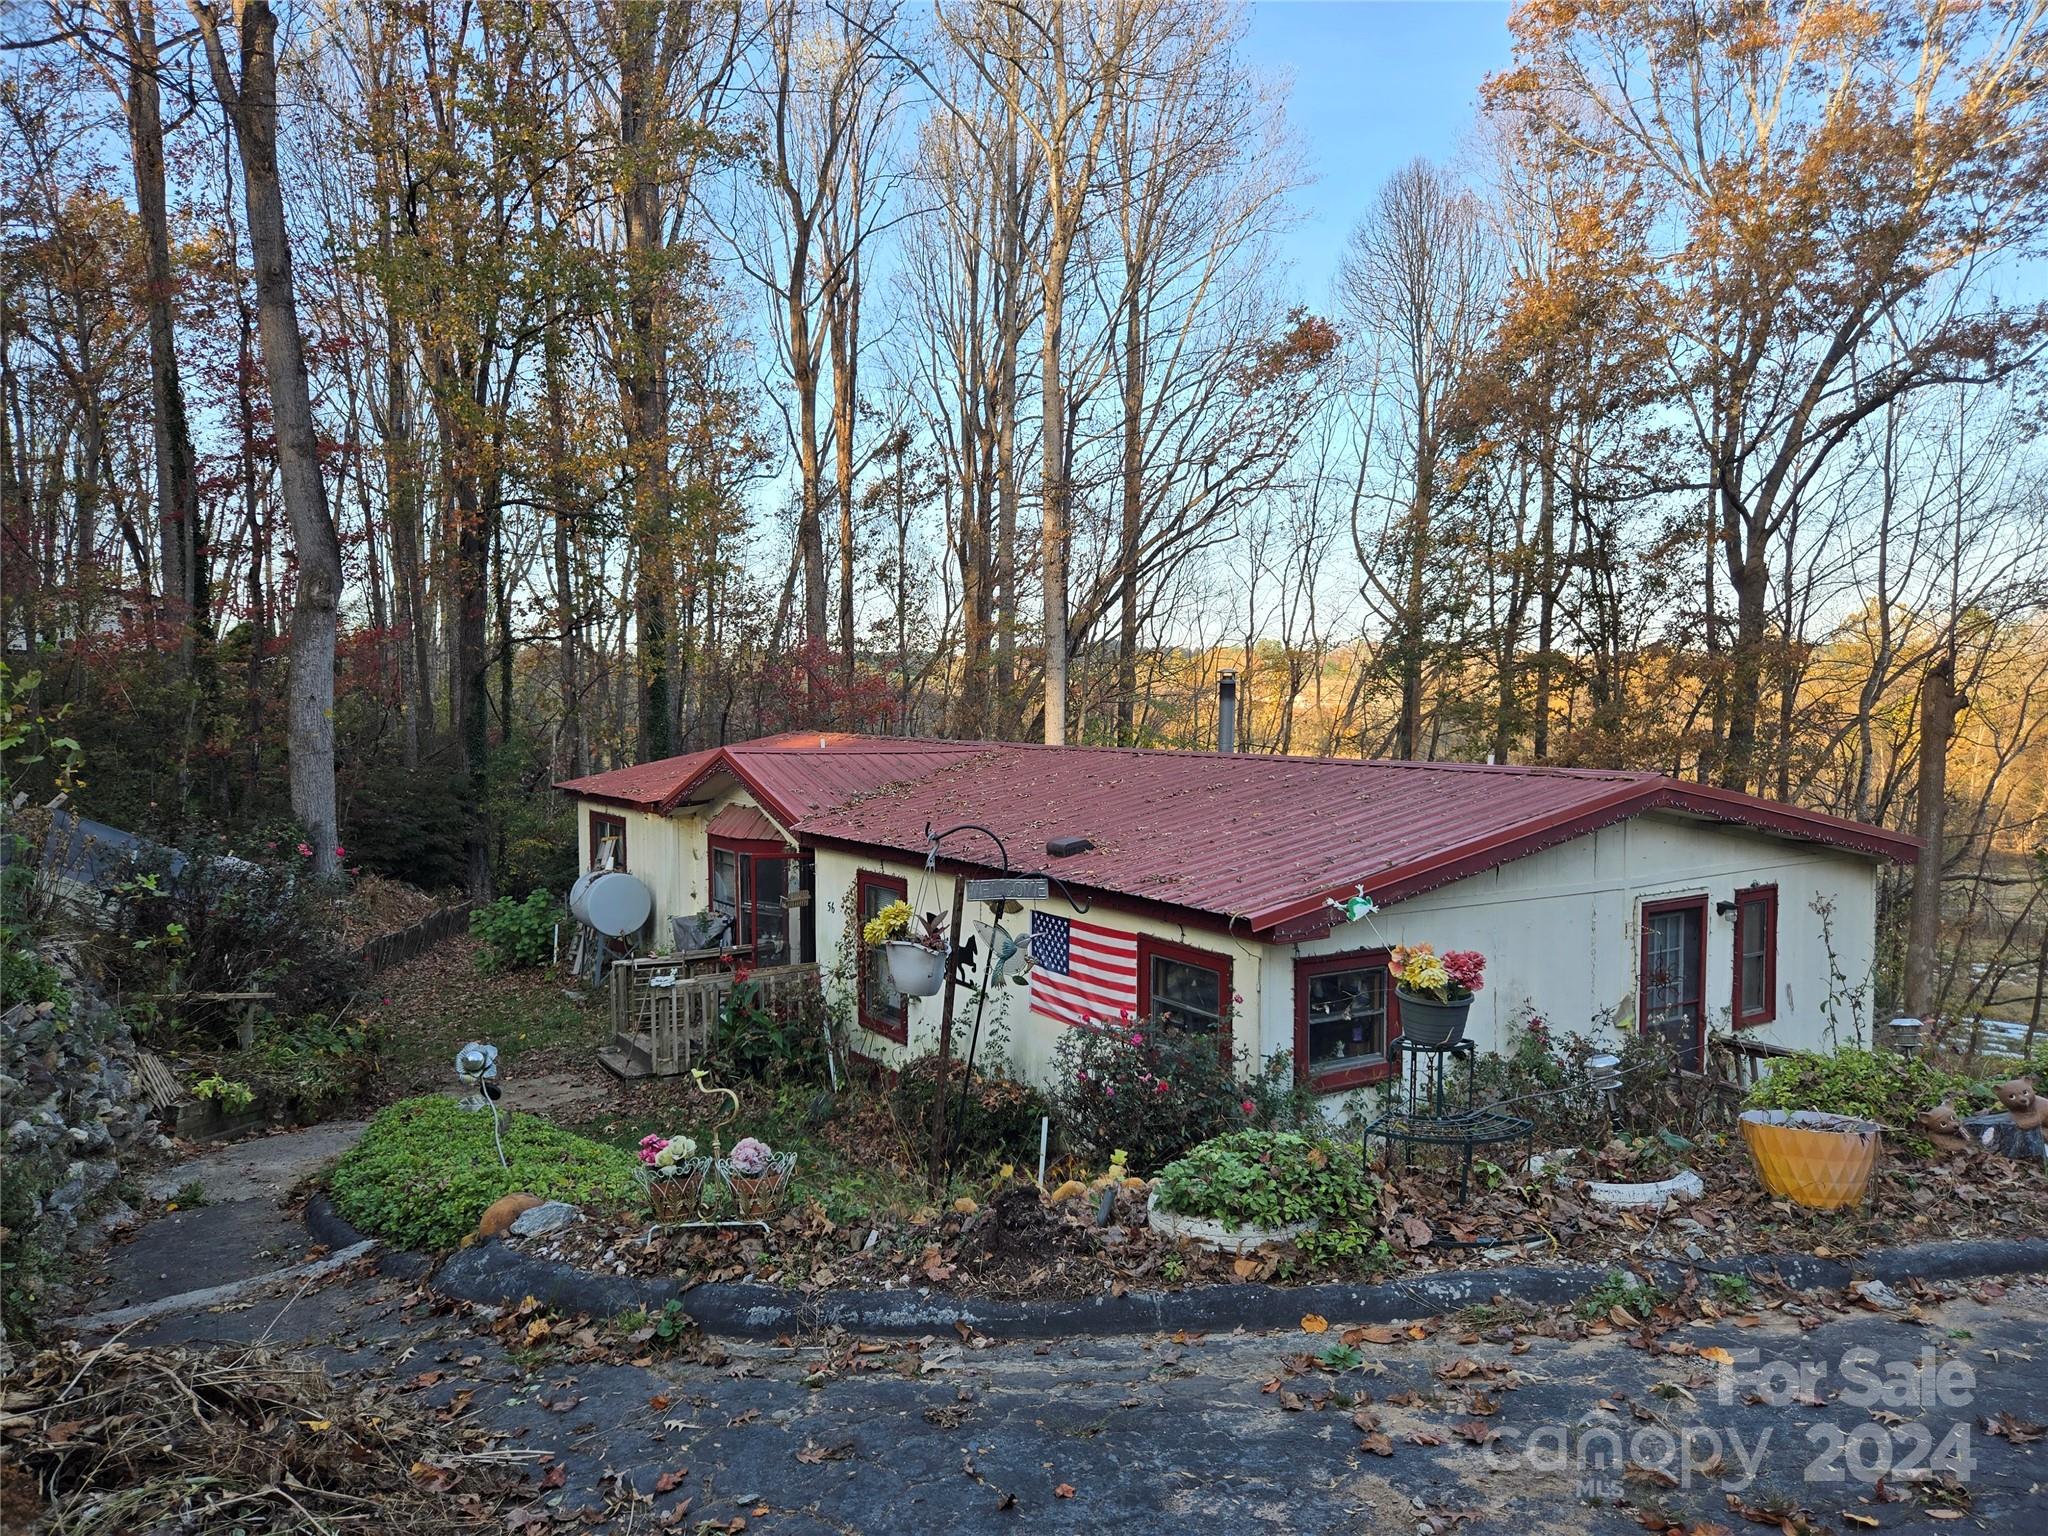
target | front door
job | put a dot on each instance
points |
(1672, 995)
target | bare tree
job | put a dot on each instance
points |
(249, 99)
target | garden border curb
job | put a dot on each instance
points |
(493, 1274)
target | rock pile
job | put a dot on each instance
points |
(74, 1115)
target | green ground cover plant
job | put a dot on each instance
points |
(426, 1168)
(1870, 1085)
(1267, 1179)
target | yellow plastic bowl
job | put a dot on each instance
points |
(1822, 1162)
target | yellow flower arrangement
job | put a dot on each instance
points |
(892, 922)
(1448, 977)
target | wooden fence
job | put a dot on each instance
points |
(400, 945)
(673, 1018)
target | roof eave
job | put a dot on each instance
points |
(1631, 800)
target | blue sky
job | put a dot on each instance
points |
(1375, 83)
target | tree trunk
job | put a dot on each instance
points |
(844, 313)
(252, 106)
(1053, 532)
(1939, 705)
(181, 579)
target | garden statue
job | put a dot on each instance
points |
(2021, 1129)
(1944, 1129)
(2029, 1109)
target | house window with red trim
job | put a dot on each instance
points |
(1184, 988)
(1756, 956)
(881, 1005)
(1345, 1014)
(751, 883)
(605, 827)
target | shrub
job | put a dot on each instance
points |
(1266, 1179)
(770, 1045)
(426, 1168)
(516, 934)
(1869, 1085)
(1147, 1088)
(311, 1064)
(222, 917)
(999, 1120)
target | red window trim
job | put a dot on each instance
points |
(1652, 909)
(1370, 1070)
(609, 819)
(1150, 948)
(1768, 896)
(744, 898)
(898, 887)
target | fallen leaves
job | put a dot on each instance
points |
(1315, 1323)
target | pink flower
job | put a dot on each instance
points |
(1160, 1086)
(1109, 1090)
(1082, 1074)
(1237, 997)
(1248, 1106)
(305, 850)
(340, 852)
(1136, 1038)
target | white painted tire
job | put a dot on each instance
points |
(1654, 1195)
(1214, 1235)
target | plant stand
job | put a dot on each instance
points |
(1429, 1119)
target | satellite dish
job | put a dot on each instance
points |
(614, 903)
(1009, 954)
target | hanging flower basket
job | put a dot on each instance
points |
(1426, 1021)
(916, 971)
(677, 1194)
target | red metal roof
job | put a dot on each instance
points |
(1243, 837)
(647, 785)
(792, 774)
(745, 824)
(1268, 839)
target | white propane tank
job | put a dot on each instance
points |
(611, 901)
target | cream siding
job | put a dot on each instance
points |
(1560, 929)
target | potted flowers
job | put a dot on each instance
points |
(673, 1175)
(1435, 991)
(757, 1175)
(916, 951)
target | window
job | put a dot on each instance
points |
(751, 883)
(1671, 981)
(1344, 1015)
(605, 827)
(881, 1005)
(1184, 988)
(1756, 956)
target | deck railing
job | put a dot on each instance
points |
(674, 1017)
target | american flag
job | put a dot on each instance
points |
(1081, 974)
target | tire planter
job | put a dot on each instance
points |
(1214, 1235)
(914, 970)
(1822, 1162)
(1684, 1184)
(1427, 1022)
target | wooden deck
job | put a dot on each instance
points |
(665, 1022)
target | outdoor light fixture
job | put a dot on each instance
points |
(1603, 1076)
(1724, 909)
(1905, 1036)
(477, 1065)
